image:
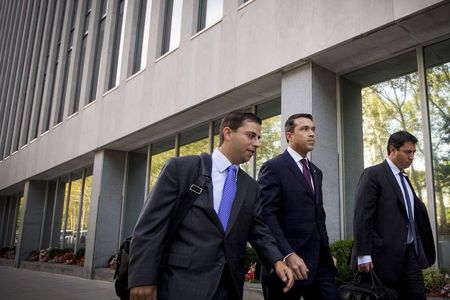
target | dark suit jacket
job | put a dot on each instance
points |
(381, 224)
(199, 250)
(294, 213)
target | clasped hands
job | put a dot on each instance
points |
(294, 268)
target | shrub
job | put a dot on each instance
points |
(80, 253)
(250, 256)
(341, 250)
(434, 280)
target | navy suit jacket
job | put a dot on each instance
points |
(295, 213)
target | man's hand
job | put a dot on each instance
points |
(285, 274)
(366, 267)
(297, 266)
(145, 292)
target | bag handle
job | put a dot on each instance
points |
(373, 276)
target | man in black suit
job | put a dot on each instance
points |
(391, 226)
(205, 257)
(291, 195)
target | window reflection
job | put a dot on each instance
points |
(437, 60)
(387, 107)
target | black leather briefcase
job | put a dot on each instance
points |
(357, 290)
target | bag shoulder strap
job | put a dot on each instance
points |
(193, 192)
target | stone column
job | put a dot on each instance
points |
(312, 89)
(105, 209)
(32, 216)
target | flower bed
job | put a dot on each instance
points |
(8, 253)
(59, 256)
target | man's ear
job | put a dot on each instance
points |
(227, 133)
(288, 135)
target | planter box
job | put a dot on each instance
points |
(104, 274)
(71, 270)
(6, 262)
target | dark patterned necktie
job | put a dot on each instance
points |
(307, 173)
(412, 227)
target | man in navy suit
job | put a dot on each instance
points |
(391, 225)
(291, 195)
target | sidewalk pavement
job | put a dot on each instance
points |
(22, 284)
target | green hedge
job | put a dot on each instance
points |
(341, 251)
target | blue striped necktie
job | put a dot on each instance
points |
(229, 192)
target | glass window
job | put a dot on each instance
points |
(49, 103)
(98, 51)
(172, 25)
(209, 12)
(270, 140)
(19, 222)
(377, 101)
(87, 191)
(161, 152)
(76, 99)
(51, 17)
(437, 63)
(114, 71)
(141, 35)
(62, 96)
(195, 141)
(75, 214)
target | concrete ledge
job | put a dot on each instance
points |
(71, 270)
(6, 262)
(104, 274)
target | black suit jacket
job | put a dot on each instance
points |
(200, 248)
(294, 213)
(381, 224)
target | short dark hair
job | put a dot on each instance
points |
(235, 119)
(289, 125)
(399, 138)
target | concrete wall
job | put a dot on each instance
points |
(248, 43)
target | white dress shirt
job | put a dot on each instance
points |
(218, 175)
(297, 158)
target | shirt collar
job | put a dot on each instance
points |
(295, 155)
(394, 168)
(220, 161)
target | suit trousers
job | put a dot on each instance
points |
(323, 287)
(410, 286)
(226, 289)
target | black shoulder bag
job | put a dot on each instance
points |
(184, 204)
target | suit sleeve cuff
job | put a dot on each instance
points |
(284, 259)
(364, 259)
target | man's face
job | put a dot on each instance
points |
(303, 138)
(404, 156)
(242, 143)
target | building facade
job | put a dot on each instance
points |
(95, 95)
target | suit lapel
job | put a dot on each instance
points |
(393, 182)
(295, 170)
(238, 200)
(315, 176)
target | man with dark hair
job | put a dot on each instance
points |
(391, 226)
(291, 195)
(204, 259)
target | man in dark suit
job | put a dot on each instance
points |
(391, 226)
(291, 195)
(205, 257)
